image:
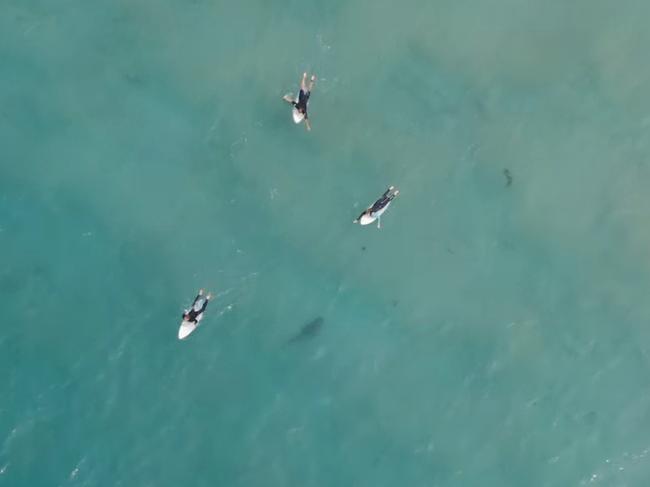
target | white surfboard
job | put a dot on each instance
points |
(298, 116)
(186, 328)
(367, 219)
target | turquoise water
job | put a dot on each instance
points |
(488, 334)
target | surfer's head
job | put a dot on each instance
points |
(367, 218)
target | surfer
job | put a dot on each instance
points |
(195, 313)
(300, 105)
(375, 211)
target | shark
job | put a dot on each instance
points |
(309, 330)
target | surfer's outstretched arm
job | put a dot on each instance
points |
(303, 82)
(379, 221)
(307, 124)
(289, 99)
(364, 212)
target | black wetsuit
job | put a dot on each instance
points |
(192, 314)
(386, 198)
(301, 104)
(380, 204)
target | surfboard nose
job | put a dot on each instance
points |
(298, 116)
(185, 329)
(366, 220)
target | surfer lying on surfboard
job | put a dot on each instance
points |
(375, 211)
(195, 313)
(300, 106)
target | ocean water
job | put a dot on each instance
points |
(488, 335)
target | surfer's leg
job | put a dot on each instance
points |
(311, 83)
(380, 203)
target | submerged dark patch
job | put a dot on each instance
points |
(508, 175)
(308, 330)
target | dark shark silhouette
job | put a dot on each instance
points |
(508, 175)
(308, 331)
